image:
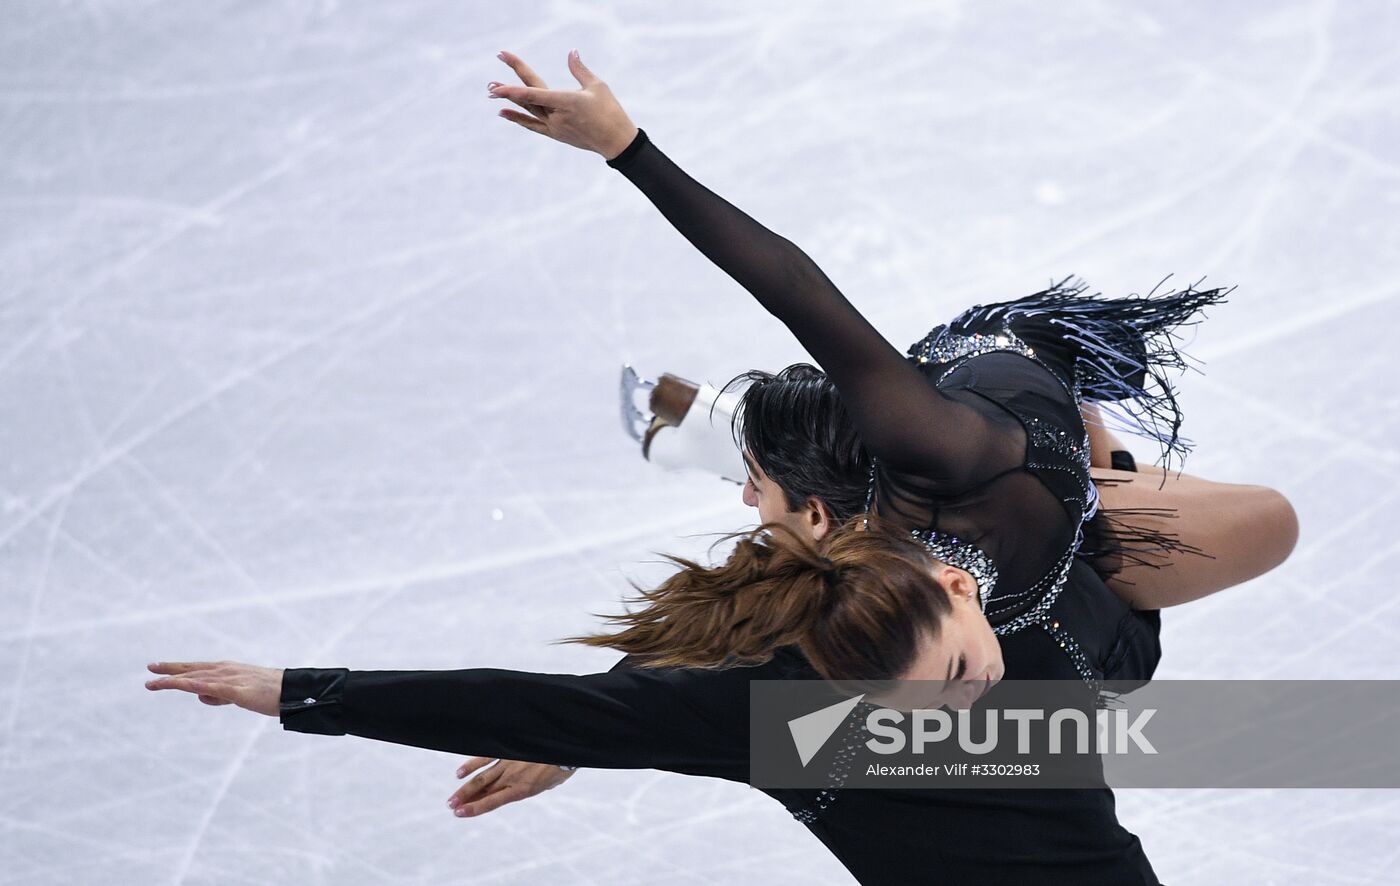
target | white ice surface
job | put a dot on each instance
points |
(287, 316)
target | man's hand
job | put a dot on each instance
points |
(223, 682)
(504, 782)
(589, 118)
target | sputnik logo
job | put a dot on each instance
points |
(811, 731)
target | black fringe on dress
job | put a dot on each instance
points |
(1112, 542)
(1126, 348)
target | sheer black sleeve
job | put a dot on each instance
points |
(902, 418)
(681, 720)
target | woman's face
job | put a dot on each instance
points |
(962, 663)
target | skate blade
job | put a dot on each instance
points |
(634, 421)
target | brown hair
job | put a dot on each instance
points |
(856, 605)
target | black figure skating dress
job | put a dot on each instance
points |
(981, 450)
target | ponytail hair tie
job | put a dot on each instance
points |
(831, 571)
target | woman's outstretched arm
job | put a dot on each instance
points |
(901, 417)
(689, 721)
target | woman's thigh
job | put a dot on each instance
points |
(1241, 532)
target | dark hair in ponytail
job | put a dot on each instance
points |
(856, 605)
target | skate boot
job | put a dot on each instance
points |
(684, 426)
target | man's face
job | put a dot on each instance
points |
(762, 493)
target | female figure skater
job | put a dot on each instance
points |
(811, 475)
(976, 437)
(980, 450)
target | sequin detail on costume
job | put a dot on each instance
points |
(1076, 655)
(852, 738)
(942, 346)
(964, 555)
(948, 548)
(1046, 436)
(1048, 589)
(954, 349)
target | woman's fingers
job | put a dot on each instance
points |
(538, 111)
(526, 74)
(525, 120)
(508, 781)
(528, 77)
(189, 676)
(545, 98)
(185, 684)
(224, 682)
(585, 77)
(494, 801)
(188, 684)
(180, 667)
(589, 118)
(473, 764)
(495, 86)
(466, 793)
(487, 778)
(478, 786)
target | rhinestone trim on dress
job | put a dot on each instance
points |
(1049, 589)
(942, 346)
(1058, 440)
(851, 740)
(1071, 648)
(954, 349)
(964, 555)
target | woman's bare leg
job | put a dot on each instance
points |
(1102, 442)
(1244, 530)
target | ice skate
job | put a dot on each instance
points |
(684, 426)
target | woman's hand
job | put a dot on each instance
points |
(223, 682)
(589, 118)
(505, 782)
